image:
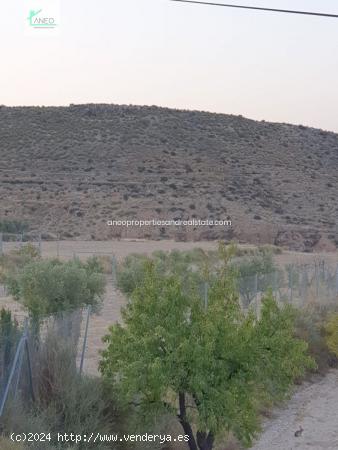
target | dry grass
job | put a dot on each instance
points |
(7, 444)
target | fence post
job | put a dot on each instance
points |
(256, 286)
(19, 373)
(1, 244)
(316, 281)
(291, 283)
(17, 357)
(30, 373)
(113, 269)
(58, 248)
(85, 340)
(206, 292)
(275, 279)
(40, 244)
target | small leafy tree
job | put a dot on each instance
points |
(12, 263)
(260, 265)
(49, 286)
(193, 267)
(209, 368)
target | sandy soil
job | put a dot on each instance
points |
(314, 408)
(99, 324)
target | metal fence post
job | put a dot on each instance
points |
(291, 283)
(206, 294)
(16, 360)
(85, 340)
(275, 279)
(256, 286)
(19, 373)
(1, 244)
(30, 373)
(316, 281)
(113, 269)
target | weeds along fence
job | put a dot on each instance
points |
(296, 284)
(11, 241)
(30, 354)
(51, 247)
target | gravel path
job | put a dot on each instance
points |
(314, 407)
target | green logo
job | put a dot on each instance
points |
(36, 20)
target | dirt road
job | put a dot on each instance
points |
(314, 408)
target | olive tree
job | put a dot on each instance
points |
(49, 286)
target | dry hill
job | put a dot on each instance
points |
(68, 170)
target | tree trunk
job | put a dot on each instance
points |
(182, 417)
(205, 441)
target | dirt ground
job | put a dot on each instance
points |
(314, 408)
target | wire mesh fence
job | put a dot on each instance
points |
(297, 285)
(15, 241)
(29, 353)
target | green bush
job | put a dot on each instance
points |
(311, 322)
(193, 267)
(45, 287)
(50, 286)
(331, 328)
(13, 262)
(260, 264)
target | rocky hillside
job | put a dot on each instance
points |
(67, 170)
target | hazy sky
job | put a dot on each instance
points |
(261, 65)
